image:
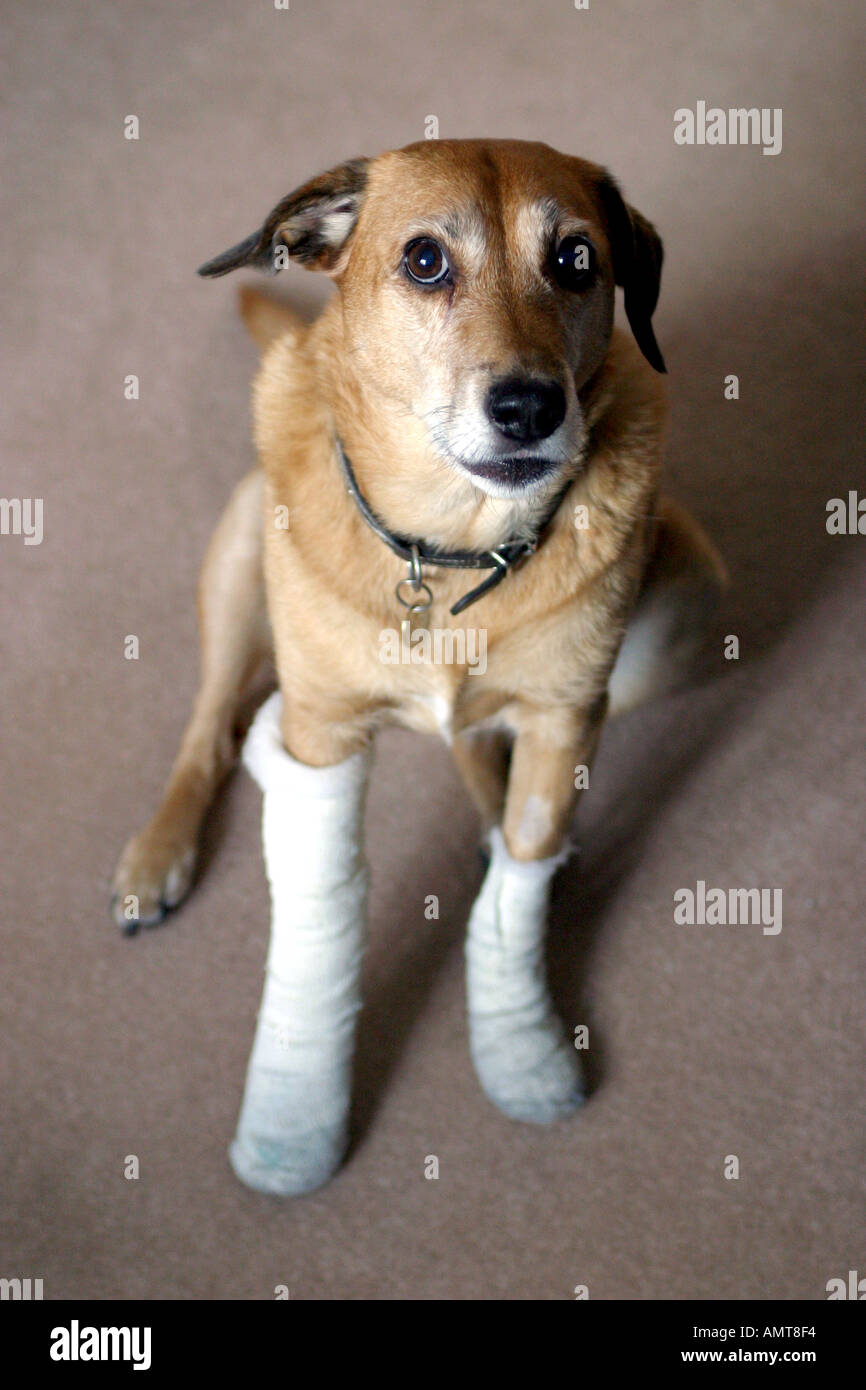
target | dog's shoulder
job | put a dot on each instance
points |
(286, 399)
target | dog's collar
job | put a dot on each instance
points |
(416, 553)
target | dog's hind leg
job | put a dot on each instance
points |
(156, 868)
(683, 582)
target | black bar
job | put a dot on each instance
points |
(289, 1337)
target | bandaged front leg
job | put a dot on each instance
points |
(293, 1126)
(523, 1060)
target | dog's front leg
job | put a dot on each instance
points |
(293, 1126)
(523, 1059)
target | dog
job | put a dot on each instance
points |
(461, 443)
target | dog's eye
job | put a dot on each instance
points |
(425, 261)
(573, 262)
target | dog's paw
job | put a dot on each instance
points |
(533, 1076)
(294, 1123)
(287, 1167)
(153, 876)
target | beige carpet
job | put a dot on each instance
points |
(705, 1041)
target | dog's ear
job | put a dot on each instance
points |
(637, 265)
(311, 226)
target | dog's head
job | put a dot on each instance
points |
(477, 280)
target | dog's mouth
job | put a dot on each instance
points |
(512, 474)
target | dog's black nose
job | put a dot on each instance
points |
(526, 410)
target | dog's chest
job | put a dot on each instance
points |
(438, 686)
(429, 712)
(434, 712)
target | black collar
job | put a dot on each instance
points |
(416, 553)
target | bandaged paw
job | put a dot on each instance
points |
(522, 1057)
(293, 1127)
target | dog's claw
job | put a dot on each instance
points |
(157, 875)
(129, 926)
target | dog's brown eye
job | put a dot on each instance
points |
(425, 261)
(573, 262)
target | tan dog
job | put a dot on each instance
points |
(466, 393)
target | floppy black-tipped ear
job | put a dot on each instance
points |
(637, 265)
(311, 226)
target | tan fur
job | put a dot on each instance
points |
(374, 369)
(267, 320)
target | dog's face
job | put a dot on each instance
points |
(477, 280)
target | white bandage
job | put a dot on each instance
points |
(519, 1048)
(293, 1126)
